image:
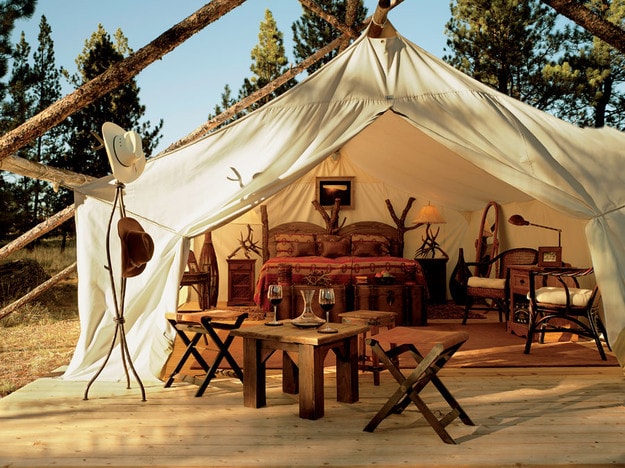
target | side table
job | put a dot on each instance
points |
(374, 319)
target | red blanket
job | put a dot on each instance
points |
(340, 270)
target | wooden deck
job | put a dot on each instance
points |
(548, 416)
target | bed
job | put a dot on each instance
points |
(362, 253)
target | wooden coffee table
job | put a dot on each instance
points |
(303, 354)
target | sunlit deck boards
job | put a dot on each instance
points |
(523, 416)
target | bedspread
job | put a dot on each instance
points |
(341, 270)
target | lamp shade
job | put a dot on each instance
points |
(429, 215)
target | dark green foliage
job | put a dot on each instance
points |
(121, 106)
(312, 33)
(524, 50)
(10, 12)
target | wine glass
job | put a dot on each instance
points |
(326, 301)
(274, 294)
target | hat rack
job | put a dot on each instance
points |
(120, 331)
(115, 136)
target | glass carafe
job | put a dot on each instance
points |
(307, 317)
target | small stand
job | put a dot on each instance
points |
(119, 307)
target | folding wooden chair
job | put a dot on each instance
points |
(442, 346)
(201, 324)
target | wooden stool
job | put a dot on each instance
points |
(374, 319)
(437, 348)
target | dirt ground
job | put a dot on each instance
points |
(31, 351)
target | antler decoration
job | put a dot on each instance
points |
(248, 245)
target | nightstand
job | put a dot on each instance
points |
(435, 272)
(241, 275)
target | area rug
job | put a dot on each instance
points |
(489, 345)
(451, 310)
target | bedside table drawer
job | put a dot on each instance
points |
(519, 283)
(240, 265)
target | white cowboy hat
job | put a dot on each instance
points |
(124, 152)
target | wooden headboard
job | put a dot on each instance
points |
(361, 227)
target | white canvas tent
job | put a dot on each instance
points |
(393, 111)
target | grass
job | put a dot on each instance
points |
(39, 337)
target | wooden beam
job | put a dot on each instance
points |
(350, 18)
(378, 19)
(57, 177)
(344, 27)
(116, 75)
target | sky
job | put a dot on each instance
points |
(184, 87)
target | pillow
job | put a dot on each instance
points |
(304, 249)
(333, 249)
(286, 244)
(321, 238)
(359, 241)
(367, 249)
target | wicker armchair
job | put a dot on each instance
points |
(564, 307)
(486, 293)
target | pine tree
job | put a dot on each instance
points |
(121, 106)
(10, 12)
(16, 109)
(504, 44)
(227, 101)
(590, 74)
(269, 61)
(311, 32)
(45, 91)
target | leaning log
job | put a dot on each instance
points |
(37, 291)
(39, 230)
(591, 22)
(57, 177)
(345, 28)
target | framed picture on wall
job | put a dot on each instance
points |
(330, 188)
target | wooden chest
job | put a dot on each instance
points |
(406, 301)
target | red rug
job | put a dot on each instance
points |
(490, 345)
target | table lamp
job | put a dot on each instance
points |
(429, 215)
(547, 256)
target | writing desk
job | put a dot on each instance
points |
(303, 354)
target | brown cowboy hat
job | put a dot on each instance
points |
(137, 247)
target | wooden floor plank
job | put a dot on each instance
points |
(549, 416)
